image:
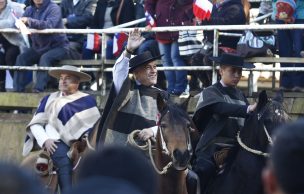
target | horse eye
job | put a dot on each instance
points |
(163, 125)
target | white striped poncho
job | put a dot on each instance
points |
(71, 116)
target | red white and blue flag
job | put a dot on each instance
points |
(149, 19)
(118, 43)
(93, 42)
(202, 9)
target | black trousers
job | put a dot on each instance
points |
(8, 57)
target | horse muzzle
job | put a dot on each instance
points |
(181, 159)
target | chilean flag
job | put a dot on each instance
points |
(149, 20)
(202, 9)
(93, 42)
(118, 43)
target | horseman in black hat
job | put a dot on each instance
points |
(131, 104)
(220, 113)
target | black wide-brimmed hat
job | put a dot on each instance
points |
(142, 59)
(232, 60)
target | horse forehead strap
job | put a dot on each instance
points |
(260, 114)
(161, 114)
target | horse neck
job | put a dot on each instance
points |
(253, 134)
(174, 181)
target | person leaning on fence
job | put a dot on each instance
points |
(220, 113)
(11, 43)
(46, 49)
(226, 12)
(108, 13)
(170, 13)
(284, 173)
(77, 14)
(290, 41)
(131, 103)
(62, 118)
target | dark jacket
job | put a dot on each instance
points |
(48, 16)
(230, 12)
(78, 16)
(127, 13)
(170, 13)
(220, 112)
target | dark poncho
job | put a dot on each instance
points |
(220, 112)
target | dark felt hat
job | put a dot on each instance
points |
(142, 59)
(232, 60)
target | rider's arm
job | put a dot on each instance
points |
(39, 134)
(121, 67)
(121, 70)
(227, 109)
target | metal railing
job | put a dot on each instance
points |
(216, 30)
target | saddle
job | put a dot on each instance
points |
(44, 164)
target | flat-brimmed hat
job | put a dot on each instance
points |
(142, 59)
(232, 60)
(83, 77)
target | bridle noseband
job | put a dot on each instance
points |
(164, 144)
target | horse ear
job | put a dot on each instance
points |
(161, 103)
(184, 104)
(262, 101)
(279, 97)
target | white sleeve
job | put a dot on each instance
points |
(154, 130)
(39, 134)
(120, 71)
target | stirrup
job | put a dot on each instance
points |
(44, 164)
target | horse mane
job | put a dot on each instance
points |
(176, 111)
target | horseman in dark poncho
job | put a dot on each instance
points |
(220, 113)
(131, 103)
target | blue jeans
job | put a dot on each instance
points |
(31, 57)
(64, 165)
(290, 45)
(147, 45)
(177, 80)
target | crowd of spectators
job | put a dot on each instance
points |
(46, 50)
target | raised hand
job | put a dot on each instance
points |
(135, 40)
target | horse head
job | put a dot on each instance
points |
(269, 114)
(173, 135)
(272, 112)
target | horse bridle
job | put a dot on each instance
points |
(254, 151)
(164, 145)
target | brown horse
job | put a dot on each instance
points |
(173, 148)
(48, 176)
